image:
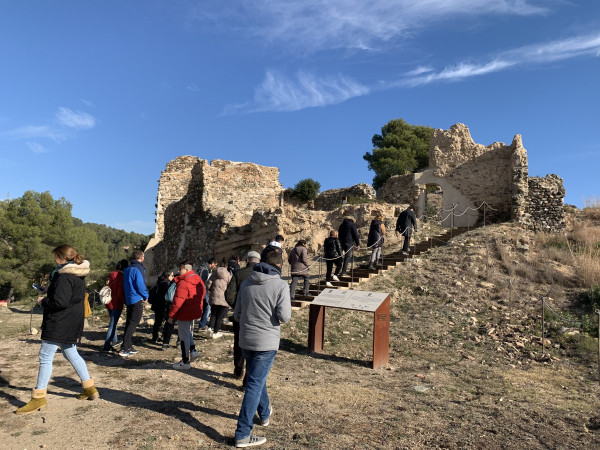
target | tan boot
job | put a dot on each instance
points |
(37, 403)
(89, 390)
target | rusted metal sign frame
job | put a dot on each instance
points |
(381, 331)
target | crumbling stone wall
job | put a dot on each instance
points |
(470, 174)
(331, 199)
(545, 209)
(400, 189)
(223, 208)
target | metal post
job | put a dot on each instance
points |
(543, 329)
(320, 272)
(452, 221)
(510, 290)
(484, 205)
(598, 312)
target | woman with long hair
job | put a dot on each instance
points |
(62, 325)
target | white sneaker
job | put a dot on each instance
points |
(194, 355)
(217, 335)
(335, 278)
(209, 333)
(181, 366)
(328, 284)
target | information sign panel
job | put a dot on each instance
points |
(374, 302)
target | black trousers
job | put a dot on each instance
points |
(160, 316)
(330, 263)
(134, 315)
(238, 358)
(406, 246)
(217, 314)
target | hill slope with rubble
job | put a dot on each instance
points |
(468, 367)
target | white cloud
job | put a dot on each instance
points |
(75, 119)
(314, 25)
(588, 45)
(279, 93)
(193, 87)
(36, 147)
(34, 132)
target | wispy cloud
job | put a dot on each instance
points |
(34, 132)
(65, 123)
(588, 45)
(192, 87)
(75, 119)
(315, 25)
(280, 93)
(36, 147)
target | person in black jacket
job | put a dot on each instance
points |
(332, 252)
(62, 325)
(252, 258)
(375, 240)
(348, 235)
(161, 307)
(404, 225)
(275, 244)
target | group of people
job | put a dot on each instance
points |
(339, 247)
(261, 302)
(260, 299)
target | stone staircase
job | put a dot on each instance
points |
(362, 272)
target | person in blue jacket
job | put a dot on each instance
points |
(136, 294)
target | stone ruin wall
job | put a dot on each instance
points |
(333, 198)
(218, 209)
(545, 210)
(223, 208)
(480, 173)
(471, 174)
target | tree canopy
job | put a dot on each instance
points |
(399, 148)
(33, 225)
(307, 189)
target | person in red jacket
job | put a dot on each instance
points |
(115, 306)
(187, 307)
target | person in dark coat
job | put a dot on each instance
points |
(62, 325)
(348, 235)
(275, 244)
(252, 258)
(332, 252)
(404, 225)
(375, 239)
(160, 306)
(298, 259)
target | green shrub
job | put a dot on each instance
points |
(307, 189)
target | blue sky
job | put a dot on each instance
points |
(97, 96)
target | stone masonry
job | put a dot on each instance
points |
(222, 208)
(471, 175)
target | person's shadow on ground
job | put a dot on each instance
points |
(173, 408)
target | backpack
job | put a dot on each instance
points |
(204, 272)
(170, 295)
(153, 294)
(105, 295)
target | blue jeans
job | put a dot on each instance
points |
(256, 399)
(205, 313)
(69, 351)
(111, 332)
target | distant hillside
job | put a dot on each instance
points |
(32, 225)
